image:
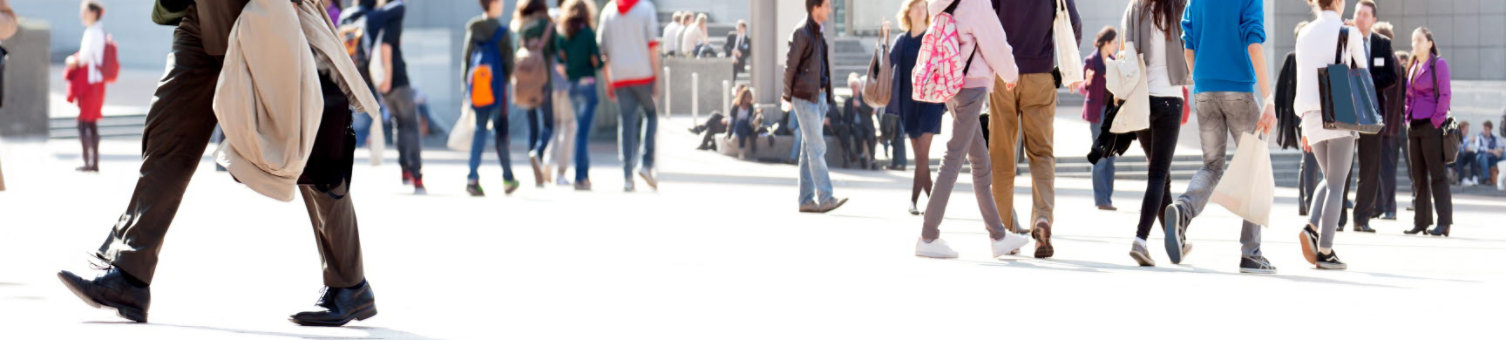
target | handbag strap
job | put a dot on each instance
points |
(1338, 54)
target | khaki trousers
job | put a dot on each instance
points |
(1027, 110)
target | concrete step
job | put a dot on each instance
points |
(109, 126)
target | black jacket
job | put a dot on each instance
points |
(1287, 121)
(1386, 75)
(745, 47)
(807, 71)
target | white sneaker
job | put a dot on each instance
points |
(936, 249)
(1009, 245)
(1467, 182)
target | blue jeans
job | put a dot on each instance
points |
(541, 127)
(478, 142)
(814, 176)
(1103, 175)
(583, 97)
(1483, 162)
(795, 131)
(631, 100)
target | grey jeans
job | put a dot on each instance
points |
(1219, 115)
(967, 140)
(1334, 157)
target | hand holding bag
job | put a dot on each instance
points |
(1127, 79)
(1248, 187)
(1348, 94)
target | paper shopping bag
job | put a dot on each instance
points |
(1248, 188)
(463, 130)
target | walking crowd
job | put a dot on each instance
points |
(963, 57)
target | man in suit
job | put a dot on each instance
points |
(178, 125)
(738, 45)
(1383, 70)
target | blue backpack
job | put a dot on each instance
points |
(486, 85)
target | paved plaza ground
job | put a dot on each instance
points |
(719, 252)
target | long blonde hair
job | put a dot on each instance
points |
(904, 15)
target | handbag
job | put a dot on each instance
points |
(1348, 94)
(879, 85)
(1068, 60)
(1451, 140)
(1248, 188)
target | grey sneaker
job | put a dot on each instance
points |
(1256, 265)
(1330, 261)
(1176, 224)
(1141, 255)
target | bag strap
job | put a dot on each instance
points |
(951, 8)
(1338, 54)
(969, 65)
(1433, 71)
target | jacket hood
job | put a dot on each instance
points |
(483, 28)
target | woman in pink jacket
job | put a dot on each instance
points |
(988, 55)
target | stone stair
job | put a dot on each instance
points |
(109, 126)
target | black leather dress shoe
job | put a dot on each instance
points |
(338, 306)
(110, 289)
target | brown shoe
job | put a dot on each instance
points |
(538, 171)
(1042, 236)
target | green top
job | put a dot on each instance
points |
(577, 52)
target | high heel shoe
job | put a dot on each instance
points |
(1441, 230)
(1415, 230)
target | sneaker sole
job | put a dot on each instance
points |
(1173, 219)
(936, 256)
(1326, 266)
(1143, 259)
(1309, 247)
(1257, 271)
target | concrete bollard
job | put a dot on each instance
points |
(669, 103)
(727, 97)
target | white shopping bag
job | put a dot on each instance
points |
(1064, 39)
(1248, 188)
(464, 129)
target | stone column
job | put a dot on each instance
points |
(764, 29)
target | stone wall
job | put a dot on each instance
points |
(712, 71)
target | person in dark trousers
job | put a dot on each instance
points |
(1429, 97)
(738, 47)
(1028, 110)
(1153, 27)
(178, 126)
(807, 89)
(628, 39)
(1371, 146)
(398, 96)
(532, 23)
(1393, 135)
(1095, 101)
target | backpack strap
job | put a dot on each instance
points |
(950, 9)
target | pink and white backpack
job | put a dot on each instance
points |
(939, 70)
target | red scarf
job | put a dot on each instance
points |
(623, 6)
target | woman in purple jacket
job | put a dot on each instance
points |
(1093, 107)
(1429, 95)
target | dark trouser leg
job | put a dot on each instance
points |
(1160, 144)
(503, 140)
(1308, 179)
(333, 216)
(94, 145)
(1386, 196)
(405, 114)
(178, 126)
(1429, 180)
(1369, 178)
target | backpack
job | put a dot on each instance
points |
(531, 72)
(110, 68)
(938, 76)
(484, 84)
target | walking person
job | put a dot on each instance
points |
(1430, 96)
(1377, 58)
(921, 121)
(627, 39)
(488, 60)
(1093, 107)
(564, 110)
(807, 88)
(580, 57)
(86, 78)
(1153, 26)
(179, 123)
(536, 32)
(1333, 148)
(386, 22)
(1027, 110)
(1222, 43)
(978, 32)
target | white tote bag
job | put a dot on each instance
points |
(464, 129)
(375, 67)
(1068, 59)
(1248, 188)
(1127, 80)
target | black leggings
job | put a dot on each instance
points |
(88, 135)
(1160, 145)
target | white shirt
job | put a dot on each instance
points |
(1315, 48)
(671, 39)
(1155, 64)
(91, 51)
(693, 36)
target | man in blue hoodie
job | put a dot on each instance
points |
(1028, 107)
(1222, 41)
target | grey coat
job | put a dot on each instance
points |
(1138, 30)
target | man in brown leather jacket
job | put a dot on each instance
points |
(178, 125)
(807, 87)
